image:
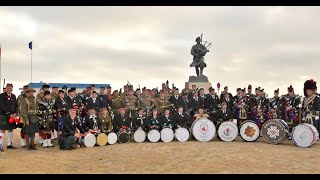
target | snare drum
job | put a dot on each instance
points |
(227, 131)
(249, 131)
(123, 137)
(166, 134)
(102, 139)
(139, 136)
(182, 134)
(304, 135)
(154, 135)
(203, 129)
(112, 138)
(274, 131)
(89, 140)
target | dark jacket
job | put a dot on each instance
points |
(176, 102)
(183, 120)
(8, 105)
(224, 116)
(95, 105)
(69, 127)
(120, 121)
(167, 121)
(139, 122)
(88, 123)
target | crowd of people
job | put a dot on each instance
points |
(67, 115)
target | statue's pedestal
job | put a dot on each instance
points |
(200, 82)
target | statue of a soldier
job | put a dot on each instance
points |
(199, 51)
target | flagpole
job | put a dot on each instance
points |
(31, 66)
(0, 66)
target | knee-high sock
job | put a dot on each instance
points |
(10, 135)
(1, 138)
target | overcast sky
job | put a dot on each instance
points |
(271, 47)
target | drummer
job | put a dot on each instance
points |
(166, 120)
(91, 122)
(105, 120)
(122, 121)
(224, 114)
(153, 120)
(182, 119)
(140, 120)
(200, 114)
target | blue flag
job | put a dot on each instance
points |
(30, 45)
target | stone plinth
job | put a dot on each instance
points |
(200, 82)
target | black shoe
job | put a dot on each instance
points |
(11, 147)
(1, 148)
(23, 146)
(34, 147)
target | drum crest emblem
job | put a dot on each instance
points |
(273, 131)
(203, 128)
(227, 132)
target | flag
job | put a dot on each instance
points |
(30, 45)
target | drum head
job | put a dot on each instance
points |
(303, 136)
(112, 138)
(203, 130)
(228, 131)
(249, 131)
(139, 136)
(102, 139)
(89, 140)
(182, 134)
(314, 129)
(167, 135)
(154, 135)
(274, 131)
(123, 137)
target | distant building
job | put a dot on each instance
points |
(79, 87)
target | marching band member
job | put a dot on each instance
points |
(140, 120)
(186, 89)
(241, 107)
(212, 102)
(237, 96)
(46, 118)
(227, 98)
(202, 98)
(8, 112)
(262, 109)
(121, 121)
(182, 119)
(61, 108)
(162, 102)
(44, 88)
(249, 91)
(311, 104)
(176, 101)
(201, 114)
(153, 120)
(71, 133)
(276, 106)
(116, 101)
(224, 114)
(21, 124)
(91, 123)
(166, 120)
(105, 120)
(103, 98)
(193, 89)
(291, 106)
(225, 90)
(93, 101)
(146, 102)
(194, 104)
(29, 110)
(70, 99)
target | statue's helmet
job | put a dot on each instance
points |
(198, 39)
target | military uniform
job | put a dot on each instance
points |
(121, 121)
(46, 116)
(116, 103)
(29, 110)
(61, 108)
(263, 104)
(146, 103)
(139, 121)
(54, 96)
(67, 139)
(105, 122)
(311, 109)
(8, 106)
(277, 104)
(167, 122)
(132, 104)
(161, 104)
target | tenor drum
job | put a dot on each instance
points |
(166, 134)
(227, 131)
(89, 140)
(274, 131)
(182, 134)
(154, 135)
(123, 137)
(139, 136)
(203, 129)
(249, 131)
(102, 139)
(304, 135)
(112, 138)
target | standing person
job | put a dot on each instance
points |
(225, 90)
(103, 98)
(61, 108)
(276, 106)
(194, 104)
(162, 103)
(191, 92)
(186, 89)
(29, 109)
(93, 102)
(227, 98)
(176, 101)
(132, 103)
(212, 102)
(44, 88)
(249, 91)
(116, 102)
(202, 99)
(54, 93)
(46, 118)
(21, 124)
(8, 111)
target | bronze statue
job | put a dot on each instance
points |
(198, 51)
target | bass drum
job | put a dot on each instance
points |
(314, 129)
(203, 129)
(112, 138)
(139, 136)
(123, 137)
(274, 131)
(304, 135)
(227, 131)
(89, 140)
(249, 131)
(182, 134)
(102, 139)
(154, 135)
(166, 134)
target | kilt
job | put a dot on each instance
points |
(5, 125)
(66, 143)
(31, 129)
(48, 125)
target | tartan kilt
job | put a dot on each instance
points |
(31, 129)
(66, 143)
(5, 125)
